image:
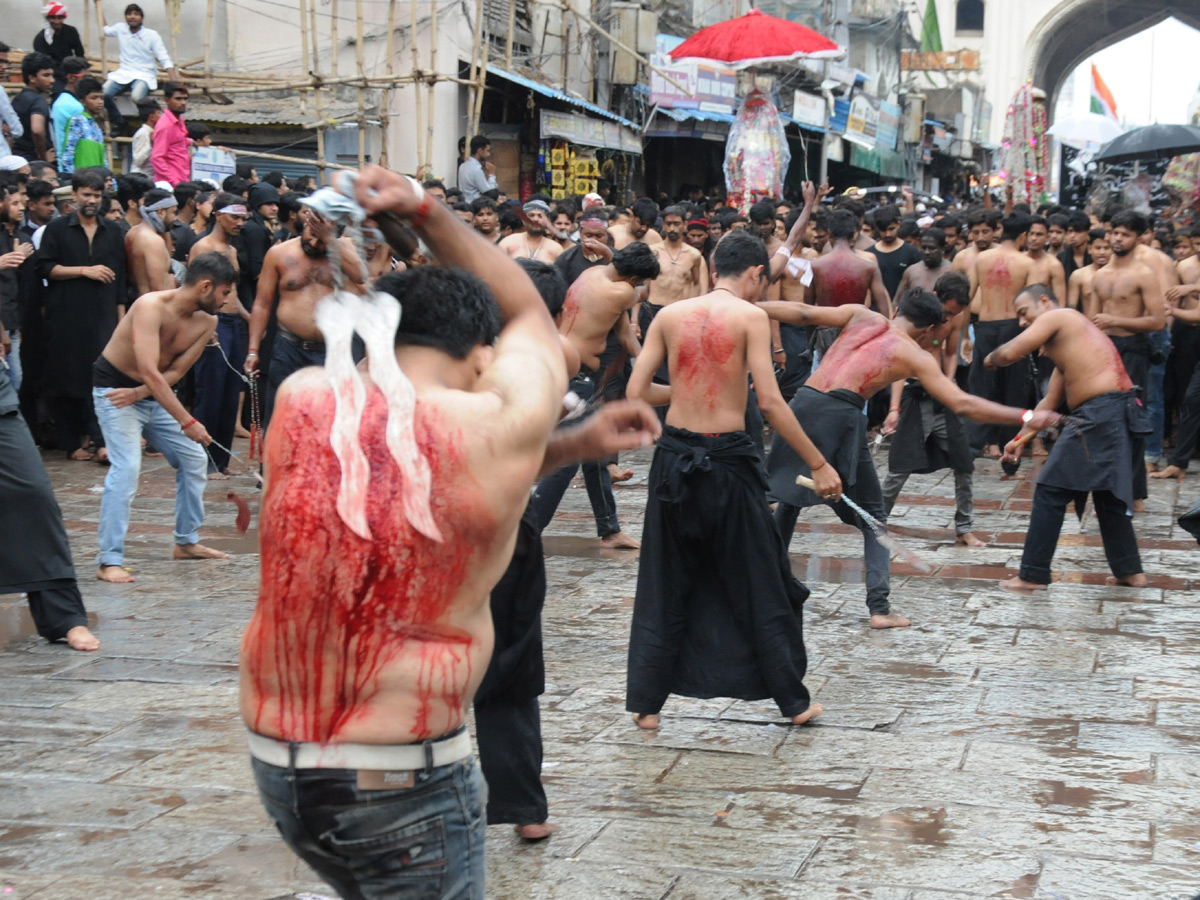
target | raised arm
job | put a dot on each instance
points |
(528, 368)
(925, 368)
(780, 259)
(805, 314)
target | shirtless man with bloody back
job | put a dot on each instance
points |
(997, 276)
(871, 353)
(1095, 453)
(718, 611)
(295, 275)
(363, 654)
(843, 276)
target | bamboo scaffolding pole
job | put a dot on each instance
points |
(173, 26)
(208, 21)
(566, 39)
(478, 111)
(103, 43)
(315, 72)
(433, 72)
(416, 58)
(87, 30)
(304, 51)
(388, 92)
(362, 100)
(333, 36)
(381, 81)
(476, 59)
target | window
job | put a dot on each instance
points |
(969, 16)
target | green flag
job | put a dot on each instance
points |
(931, 32)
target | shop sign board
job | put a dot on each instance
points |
(809, 109)
(888, 131)
(862, 122)
(589, 132)
(710, 88)
(213, 164)
(940, 61)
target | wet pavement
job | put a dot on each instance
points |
(1006, 746)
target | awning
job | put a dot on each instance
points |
(699, 115)
(881, 161)
(538, 88)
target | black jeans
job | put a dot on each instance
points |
(218, 387)
(1045, 524)
(550, 490)
(867, 493)
(508, 732)
(1188, 432)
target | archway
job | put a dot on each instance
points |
(1074, 30)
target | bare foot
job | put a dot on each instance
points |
(79, 638)
(969, 540)
(197, 551)
(1151, 466)
(538, 832)
(617, 475)
(114, 575)
(991, 451)
(619, 540)
(1039, 447)
(1171, 472)
(1018, 584)
(80, 455)
(102, 456)
(891, 620)
(1139, 506)
(814, 710)
(1138, 580)
(241, 432)
(219, 475)
(648, 722)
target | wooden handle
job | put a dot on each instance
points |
(805, 481)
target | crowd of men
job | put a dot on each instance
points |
(145, 317)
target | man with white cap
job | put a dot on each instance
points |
(12, 163)
(533, 242)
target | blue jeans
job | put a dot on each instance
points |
(420, 843)
(138, 89)
(13, 360)
(123, 429)
(1155, 408)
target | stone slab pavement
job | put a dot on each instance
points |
(1006, 746)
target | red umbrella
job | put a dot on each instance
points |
(754, 39)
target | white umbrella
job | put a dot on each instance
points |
(1085, 129)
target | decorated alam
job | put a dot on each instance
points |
(554, 451)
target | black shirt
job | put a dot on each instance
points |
(892, 264)
(66, 43)
(25, 105)
(1067, 258)
(573, 263)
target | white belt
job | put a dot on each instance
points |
(380, 757)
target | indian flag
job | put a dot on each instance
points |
(1102, 99)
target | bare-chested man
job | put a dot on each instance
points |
(295, 275)
(982, 225)
(218, 385)
(639, 228)
(844, 276)
(152, 348)
(1127, 305)
(1181, 388)
(535, 241)
(682, 270)
(148, 258)
(870, 354)
(598, 302)
(718, 611)
(363, 654)
(934, 263)
(997, 276)
(1079, 287)
(928, 437)
(1095, 453)
(1046, 269)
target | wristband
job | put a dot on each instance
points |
(251, 353)
(189, 424)
(893, 409)
(417, 219)
(821, 466)
(783, 251)
(1026, 416)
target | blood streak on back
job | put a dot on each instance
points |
(334, 610)
(705, 347)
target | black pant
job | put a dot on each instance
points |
(508, 733)
(1045, 524)
(56, 610)
(73, 417)
(1012, 385)
(867, 493)
(1188, 433)
(1185, 349)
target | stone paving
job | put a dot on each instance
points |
(1006, 746)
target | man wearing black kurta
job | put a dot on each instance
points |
(82, 259)
(30, 520)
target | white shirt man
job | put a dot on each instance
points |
(142, 51)
(477, 174)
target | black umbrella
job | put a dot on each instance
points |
(1151, 142)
